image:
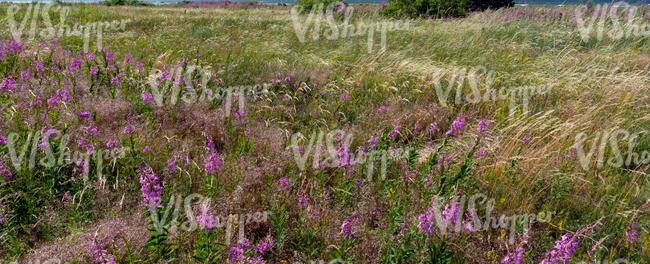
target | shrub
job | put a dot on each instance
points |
(441, 8)
(427, 8)
(126, 2)
(308, 4)
(492, 4)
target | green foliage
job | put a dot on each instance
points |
(278, 222)
(399, 250)
(309, 4)
(436, 253)
(126, 2)
(590, 4)
(477, 5)
(427, 8)
(343, 252)
(405, 249)
(307, 241)
(159, 247)
(206, 250)
(441, 8)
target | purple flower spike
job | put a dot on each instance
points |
(235, 254)
(284, 185)
(100, 254)
(631, 235)
(5, 174)
(147, 149)
(562, 250)
(302, 201)
(212, 163)
(147, 97)
(129, 129)
(346, 227)
(455, 128)
(264, 246)
(514, 257)
(151, 190)
(482, 127)
(7, 85)
(206, 219)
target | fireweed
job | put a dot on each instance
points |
(150, 186)
(514, 257)
(453, 219)
(100, 254)
(61, 30)
(346, 30)
(566, 246)
(5, 174)
(616, 159)
(634, 27)
(245, 252)
(339, 154)
(347, 226)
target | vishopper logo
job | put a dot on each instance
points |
(451, 219)
(40, 140)
(204, 219)
(166, 87)
(344, 30)
(616, 159)
(337, 145)
(635, 25)
(479, 80)
(33, 11)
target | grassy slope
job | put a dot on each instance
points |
(597, 86)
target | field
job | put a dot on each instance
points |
(209, 133)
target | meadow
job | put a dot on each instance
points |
(507, 136)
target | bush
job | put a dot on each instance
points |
(492, 4)
(441, 8)
(427, 8)
(126, 2)
(308, 4)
